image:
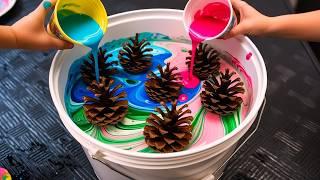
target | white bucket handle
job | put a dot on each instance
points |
(101, 157)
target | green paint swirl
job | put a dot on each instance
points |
(128, 134)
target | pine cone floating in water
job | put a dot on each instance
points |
(164, 88)
(206, 61)
(171, 131)
(105, 68)
(220, 93)
(108, 106)
(134, 58)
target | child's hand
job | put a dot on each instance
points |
(30, 31)
(251, 22)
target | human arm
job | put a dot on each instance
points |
(30, 33)
(303, 26)
(7, 37)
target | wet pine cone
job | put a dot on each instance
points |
(206, 61)
(171, 130)
(134, 57)
(220, 93)
(165, 87)
(108, 106)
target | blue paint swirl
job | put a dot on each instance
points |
(133, 84)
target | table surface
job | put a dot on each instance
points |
(35, 145)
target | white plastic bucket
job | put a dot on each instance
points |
(196, 163)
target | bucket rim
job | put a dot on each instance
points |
(86, 140)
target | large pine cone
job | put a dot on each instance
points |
(108, 106)
(164, 88)
(134, 58)
(206, 61)
(171, 130)
(220, 93)
(105, 68)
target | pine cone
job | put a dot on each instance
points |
(108, 106)
(220, 96)
(105, 67)
(170, 132)
(164, 88)
(133, 57)
(206, 61)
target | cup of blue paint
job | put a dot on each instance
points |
(81, 22)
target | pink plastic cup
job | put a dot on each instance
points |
(194, 7)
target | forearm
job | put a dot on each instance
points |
(305, 26)
(7, 37)
(30, 33)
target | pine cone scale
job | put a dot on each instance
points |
(177, 147)
(183, 142)
(160, 144)
(169, 140)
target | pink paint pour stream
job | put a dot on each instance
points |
(208, 22)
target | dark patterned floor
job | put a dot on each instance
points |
(35, 145)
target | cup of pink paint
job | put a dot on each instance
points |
(208, 19)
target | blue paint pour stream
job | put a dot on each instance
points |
(84, 29)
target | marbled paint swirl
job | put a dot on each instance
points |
(207, 127)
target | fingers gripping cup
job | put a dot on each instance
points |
(208, 19)
(79, 21)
